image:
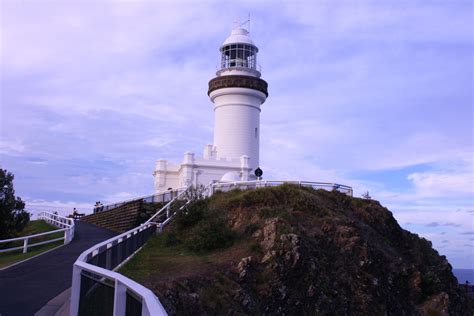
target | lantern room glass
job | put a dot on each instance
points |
(239, 55)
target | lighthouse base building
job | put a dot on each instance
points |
(237, 92)
(195, 171)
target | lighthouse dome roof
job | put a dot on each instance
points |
(230, 176)
(238, 35)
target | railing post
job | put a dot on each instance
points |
(159, 228)
(25, 245)
(75, 291)
(120, 299)
(108, 258)
(66, 236)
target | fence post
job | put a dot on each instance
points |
(120, 299)
(25, 245)
(75, 291)
(159, 228)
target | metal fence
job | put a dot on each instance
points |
(246, 185)
(162, 197)
(66, 224)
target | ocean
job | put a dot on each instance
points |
(464, 275)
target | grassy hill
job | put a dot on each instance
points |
(292, 250)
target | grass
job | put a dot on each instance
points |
(12, 257)
(33, 227)
(160, 260)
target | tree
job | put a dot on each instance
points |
(13, 217)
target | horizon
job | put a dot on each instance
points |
(374, 96)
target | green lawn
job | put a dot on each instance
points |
(33, 227)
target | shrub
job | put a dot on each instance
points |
(193, 214)
(210, 234)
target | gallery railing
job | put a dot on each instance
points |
(66, 225)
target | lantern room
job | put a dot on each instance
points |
(238, 51)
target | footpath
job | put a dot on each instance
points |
(27, 287)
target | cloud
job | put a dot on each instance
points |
(13, 148)
(63, 208)
(445, 183)
(93, 94)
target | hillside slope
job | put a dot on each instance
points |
(295, 251)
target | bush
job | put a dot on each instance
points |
(211, 234)
(192, 215)
(202, 229)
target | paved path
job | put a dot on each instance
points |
(27, 287)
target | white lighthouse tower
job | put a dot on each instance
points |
(237, 92)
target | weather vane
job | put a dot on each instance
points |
(240, 24)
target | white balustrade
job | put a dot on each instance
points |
(66, 224)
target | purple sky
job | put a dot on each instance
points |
(376, 95)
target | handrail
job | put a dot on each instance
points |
(110, 206)
(166, 207)
(151, 304)
(51, 218)
(33, 236)
(122, 283)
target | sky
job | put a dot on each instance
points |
(377, 95)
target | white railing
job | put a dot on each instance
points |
(167, 209)
(150, 303)
(66, 224)
(161, 197)
(244, 185)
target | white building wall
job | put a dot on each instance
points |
(237, 123)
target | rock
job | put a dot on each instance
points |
(243, 267)
(269, 233)
(436, 305)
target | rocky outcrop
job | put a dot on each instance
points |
(312, 252)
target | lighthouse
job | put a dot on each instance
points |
(237, 93)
